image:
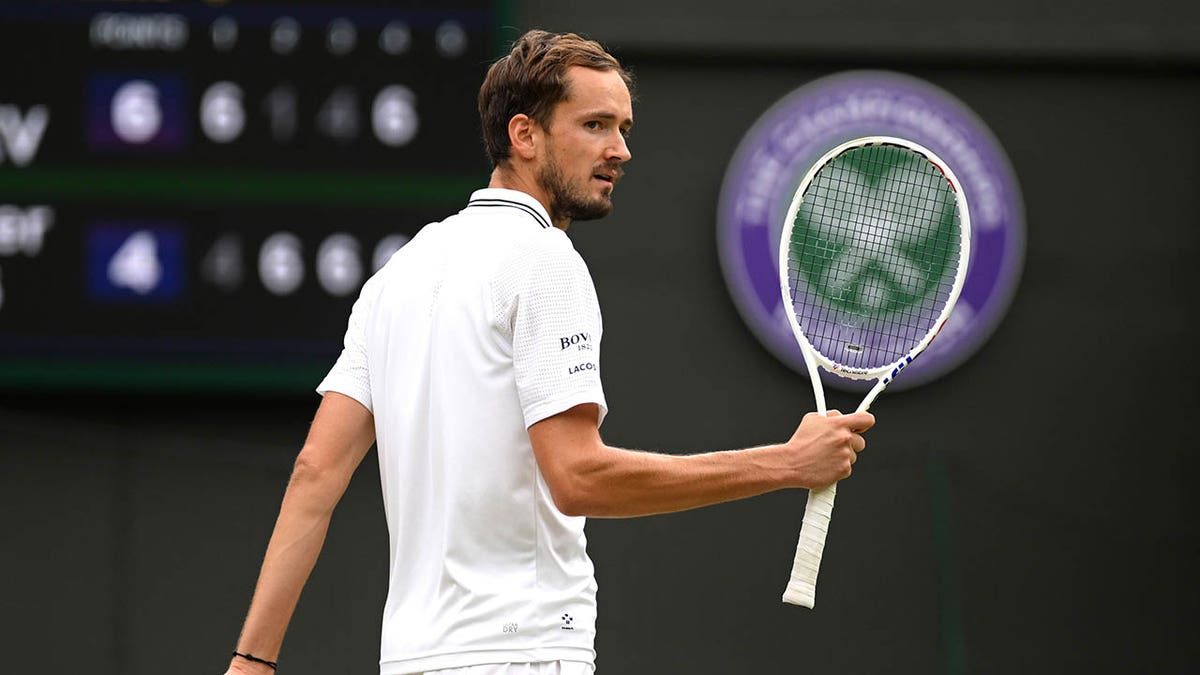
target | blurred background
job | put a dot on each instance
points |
(191, 195)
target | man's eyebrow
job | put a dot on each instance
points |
(605, 115)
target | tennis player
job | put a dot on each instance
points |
(472, 359)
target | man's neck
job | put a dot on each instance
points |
(508, 178)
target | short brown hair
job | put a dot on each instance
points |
(531, 80)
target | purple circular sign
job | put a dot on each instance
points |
(776, 152)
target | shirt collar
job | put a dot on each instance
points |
(512, 199)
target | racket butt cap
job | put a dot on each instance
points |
(801, 594)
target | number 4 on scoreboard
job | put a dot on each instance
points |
(135, 265)
(132, 262)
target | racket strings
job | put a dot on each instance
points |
(873, 255)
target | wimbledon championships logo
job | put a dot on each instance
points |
(791, 136)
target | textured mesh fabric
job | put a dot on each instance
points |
(547, 303)
(483, 324)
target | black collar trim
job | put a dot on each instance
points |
(515, 205)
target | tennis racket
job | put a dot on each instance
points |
(872, 257)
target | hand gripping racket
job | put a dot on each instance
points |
(872, 258)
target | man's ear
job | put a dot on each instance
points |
(525, 136)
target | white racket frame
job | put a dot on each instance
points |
(802, 586)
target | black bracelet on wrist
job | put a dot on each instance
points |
(251, 657)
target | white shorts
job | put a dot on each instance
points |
(544, 668)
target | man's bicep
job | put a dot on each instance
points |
(341, 434)
(564, 445)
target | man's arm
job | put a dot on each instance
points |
(340, 437)
(588, 478)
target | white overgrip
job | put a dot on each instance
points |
(802, 586)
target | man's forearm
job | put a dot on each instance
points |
(341, 434)
(620, 483)
(291, 555)
(588, 478)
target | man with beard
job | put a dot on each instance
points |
(473, 360)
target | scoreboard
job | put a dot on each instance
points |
(192, 193)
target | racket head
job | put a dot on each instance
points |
(873, 256)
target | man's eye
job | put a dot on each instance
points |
(592, 125)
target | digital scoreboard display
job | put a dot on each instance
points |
(192, 193)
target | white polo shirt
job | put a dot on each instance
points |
(482, 325)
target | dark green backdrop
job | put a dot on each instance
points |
(1032, 512)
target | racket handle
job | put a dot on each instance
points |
(802, 587)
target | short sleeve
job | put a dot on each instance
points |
(350, 374)
(556, 335)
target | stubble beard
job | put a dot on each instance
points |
(568, 201)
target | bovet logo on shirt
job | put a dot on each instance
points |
(580, 341)
(581, 368)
